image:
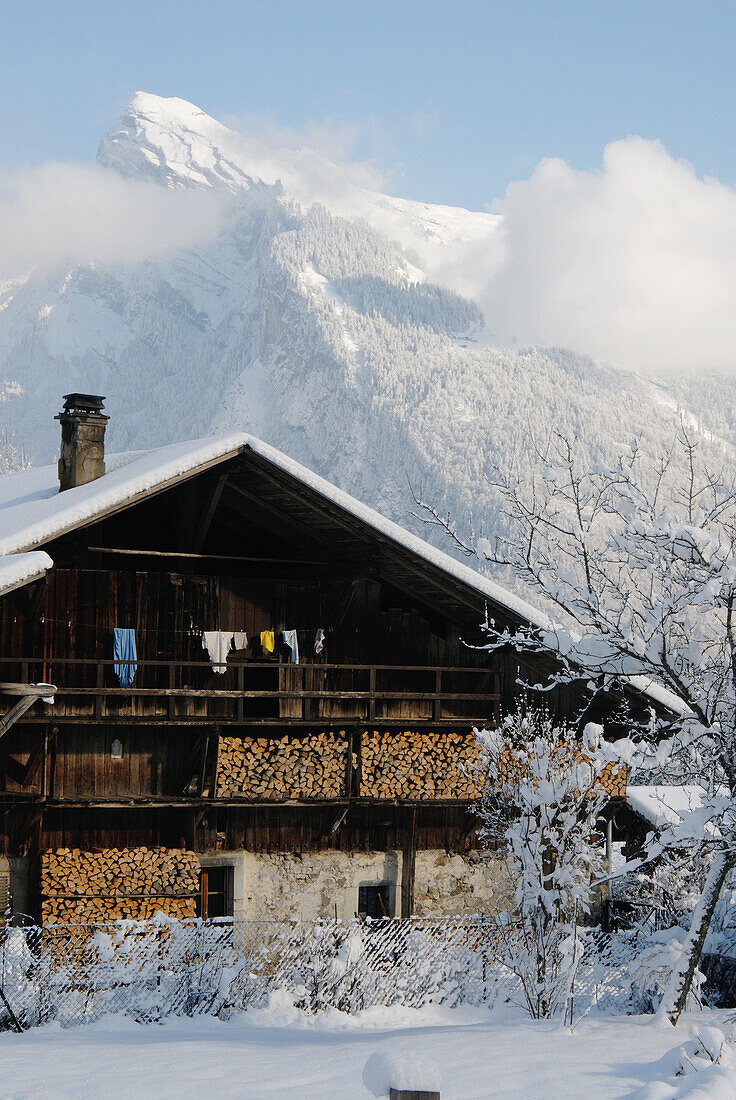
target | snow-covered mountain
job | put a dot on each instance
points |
(313, 321)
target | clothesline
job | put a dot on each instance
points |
(191, 631)
(218, 644)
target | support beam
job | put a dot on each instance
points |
(27, 696)
(408, 866)
(17, 711)
(209, 512)
(303, 534)
(199, 557)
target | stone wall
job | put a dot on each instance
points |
(286, 885)
(450, 885)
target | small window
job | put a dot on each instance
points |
(216, 892)
(374, 901)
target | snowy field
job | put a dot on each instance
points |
(279, 1053)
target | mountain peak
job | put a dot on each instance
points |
(180, 145)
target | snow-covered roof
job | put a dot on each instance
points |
(19, 569)
(34, 512)
(688, 812)
(665, 805)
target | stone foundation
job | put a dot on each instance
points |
(287, 886)
(451, 885)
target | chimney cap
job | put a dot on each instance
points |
(84, 403)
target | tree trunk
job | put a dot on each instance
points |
(675, 996)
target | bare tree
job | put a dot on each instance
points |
(541, 805)
(636, 563)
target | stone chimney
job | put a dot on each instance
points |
(82, 456)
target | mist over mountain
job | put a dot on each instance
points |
(286, 299)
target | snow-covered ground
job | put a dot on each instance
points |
(279, 1053)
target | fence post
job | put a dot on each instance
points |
(412, 1094)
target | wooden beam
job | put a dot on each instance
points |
(209, 512)
(408, 865)
(35, 762)
(427, 724)
(16, 711)
(37, 691)
(153, 802)
(203, 767)
(199, 557)
(284, 522)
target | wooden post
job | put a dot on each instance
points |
(239, 708)
(606, 886)
(50, 782)
(98, 695)
(349, 735)
(44, 773)
(437, 702)
(203, 769)
(412, 1094)
(172, 697)
(372, 699)
(358, 769)
(408, 865)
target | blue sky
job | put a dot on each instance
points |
(457, 99)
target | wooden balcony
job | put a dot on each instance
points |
(261, 693)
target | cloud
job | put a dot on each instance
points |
(64, 214)
(325, 156)
(634, 263)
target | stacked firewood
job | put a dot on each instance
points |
(101, 910)
(418, 765)
(278, 768)
(115, 883)
(613, 780)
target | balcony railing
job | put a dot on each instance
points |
(261, 693)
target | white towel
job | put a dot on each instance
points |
(217, 644)
(240, 639)
(319, 641)
(290, 640)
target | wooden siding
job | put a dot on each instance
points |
(258, 828)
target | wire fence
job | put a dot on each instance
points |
(149, 970)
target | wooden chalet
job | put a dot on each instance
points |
(236, 779)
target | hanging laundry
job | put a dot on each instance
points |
(123, 649)
(217, 644)
(240, 639)
(290, 640)
(268, 641)
(319, 641)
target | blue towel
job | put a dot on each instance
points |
(290, 640)
(123, 649)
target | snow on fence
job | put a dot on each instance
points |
(148, 970)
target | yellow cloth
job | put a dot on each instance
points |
(268, 641)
